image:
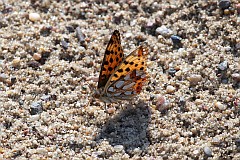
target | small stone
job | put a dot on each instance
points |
(178, 73)
(16, 62)
(163, 30)
(33, 64)
(162, 104)
(128, 35)
(224, 4)
(33, 118)
(170, 89)
(64, 44)
(46, 97)
(198, 101)
(37, 56)
(176, 39)
(226, 12)
(236, 77)
(118, 148)
(207, 150)
(80, 36)
(216, 141)
(194, 78)
(34, 17)
(111, 110)
(36, 108)
(46, 31)
(3, 77)
(223, 66)
(220, 106)
(172, 71)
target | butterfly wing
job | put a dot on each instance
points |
(129, 77)
(112, 58)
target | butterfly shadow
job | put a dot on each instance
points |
(129, 128)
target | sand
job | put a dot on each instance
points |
(50, 58)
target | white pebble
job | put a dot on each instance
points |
(37, 56)
(164, 31)
(195, 78)
(34, 118)
(207, 150)
(220, 106)
(118, 148)
(34, 17)
(170, 89)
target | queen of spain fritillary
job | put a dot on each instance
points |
(121, 78)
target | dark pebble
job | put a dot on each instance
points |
(46, 31)
(176, 39)
(33, 64)
(64, 44)
(70, 29)
(224, 4)
(172, 71)
(36, 108)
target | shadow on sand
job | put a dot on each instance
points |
(129, 128)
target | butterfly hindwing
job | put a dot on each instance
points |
(112, 58)
(129, 77)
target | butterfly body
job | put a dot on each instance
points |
(121, 78)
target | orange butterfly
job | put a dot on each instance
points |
(121, 79)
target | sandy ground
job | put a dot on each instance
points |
(50, 58)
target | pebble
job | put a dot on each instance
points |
(111, 110)
(37, 56)
(163, 30)
(36, 108)
(64, 44)
(236, 77)
(3, 77)
(80, 36)
(172, 71)
(162, 104)
(170, 89)
(194, 78)
(34, 17)
(176, 39)
(223, 66)
(216, 141)
(118, 148)
(198, 101)
(207, 150)
(128, 35)
(220, 106)
(33, 118)
(46, 97)
(224, 4)
(16, 62)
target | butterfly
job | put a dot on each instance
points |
(121, 78)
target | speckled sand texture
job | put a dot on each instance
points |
(50, 58)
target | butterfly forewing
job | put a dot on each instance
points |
(112, 58)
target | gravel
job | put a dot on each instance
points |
(50, 58)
